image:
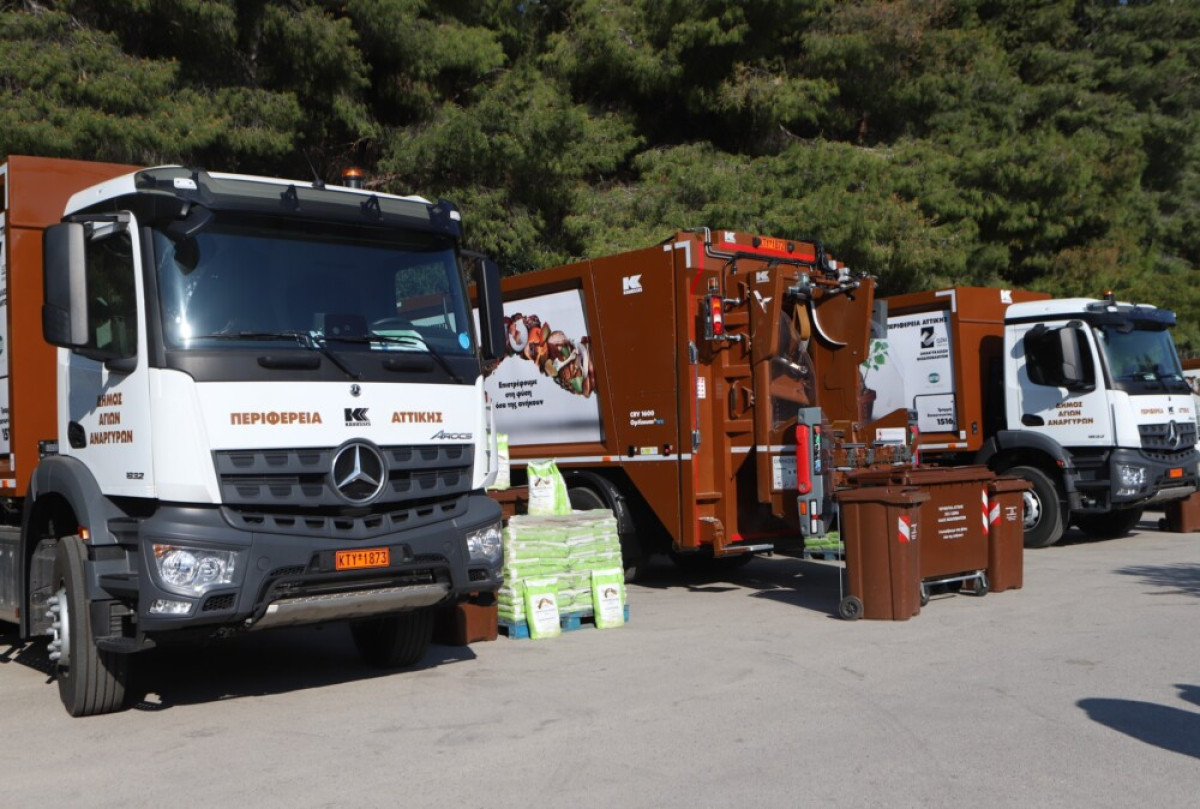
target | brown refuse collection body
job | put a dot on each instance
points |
(669, 384)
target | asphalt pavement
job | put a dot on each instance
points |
(1080, 689)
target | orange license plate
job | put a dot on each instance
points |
(358, 560)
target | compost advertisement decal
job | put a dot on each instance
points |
(914, 370)
(544, 390)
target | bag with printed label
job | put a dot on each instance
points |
(608, 597)
(541, 608)
(547, 489)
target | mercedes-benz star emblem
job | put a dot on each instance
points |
(355, 390)
(358, 472)
(1173, 435)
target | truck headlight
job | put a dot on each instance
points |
(484, 545)
(1130, 478)
(193, 570)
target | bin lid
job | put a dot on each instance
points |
(887, 495)
(1006, 485)
(909, 475)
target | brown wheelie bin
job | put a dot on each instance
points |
(1006, 533)
(954, 540)
(879, 533)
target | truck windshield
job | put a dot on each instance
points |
(1141, 360)
(353, 290)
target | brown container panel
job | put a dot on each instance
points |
(880, 531)
(1183, 516)
(38, 190)
(1006, 540)
(39, 187)
(976, 326)
(465, 623)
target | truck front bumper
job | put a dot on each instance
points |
(279, 579)
(1133, 478)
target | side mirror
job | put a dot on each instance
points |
(491, 310)
(1073, 372)
(64, 279)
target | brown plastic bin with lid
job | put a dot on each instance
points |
(1183, 516)
(953, 532)
(467, 622)
(1006, 533)
(879, 533)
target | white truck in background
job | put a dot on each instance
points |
(1084, 398)
(230, 403)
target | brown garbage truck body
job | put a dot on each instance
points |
(670, 384)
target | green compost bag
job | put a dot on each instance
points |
(541, 608)
(608, 597)
(547, 489)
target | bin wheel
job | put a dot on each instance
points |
(981, 585)
(850, 608)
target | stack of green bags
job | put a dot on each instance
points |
(565, 548)
(832, 541)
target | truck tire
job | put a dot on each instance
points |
(394, 641)
(1109, 526)
(585, 498)
(90, 681)
(1044, 523)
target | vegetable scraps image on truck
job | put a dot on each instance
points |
(547, 374)
(565, 361)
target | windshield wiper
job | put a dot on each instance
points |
(408, 340)
(303, 339)
(376, 337)
(299, 336)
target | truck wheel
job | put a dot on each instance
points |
(90, 681)
(1043, 509)
(394, 641)
(1109, 526)
(585, 498)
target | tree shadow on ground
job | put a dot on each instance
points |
(1182, 578)
(1159, 725)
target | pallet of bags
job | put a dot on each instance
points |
(552, 558)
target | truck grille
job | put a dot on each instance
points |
(301, 477)
(323, 523)
(1173, 436)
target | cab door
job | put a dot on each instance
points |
(1058, 393)
(104, 409)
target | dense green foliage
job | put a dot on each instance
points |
(1050, 145)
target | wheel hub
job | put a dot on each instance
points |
(60, 628)
(1033, 510)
